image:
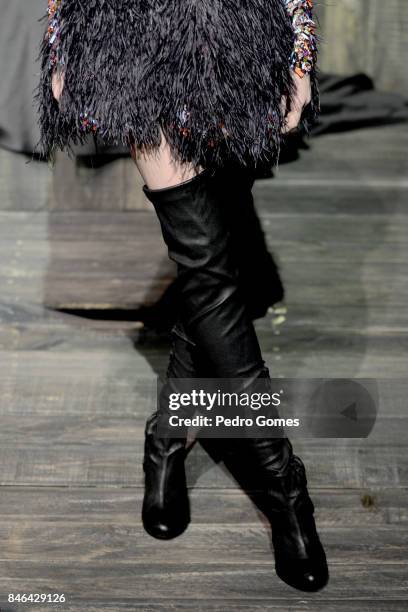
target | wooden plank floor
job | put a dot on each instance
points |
(75, 392)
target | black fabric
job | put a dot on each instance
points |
(347, 102)
(352, 102)
(139, 67)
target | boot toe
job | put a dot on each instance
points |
(161, 531)
(165, 526)
(304, 576)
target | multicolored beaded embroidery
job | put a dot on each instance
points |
(53, 31)
(88, 124)
(305, 50)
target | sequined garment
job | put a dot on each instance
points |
(53, 32)
(227, 125)
(305, 49)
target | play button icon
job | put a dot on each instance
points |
(350, 412)
(343, 408)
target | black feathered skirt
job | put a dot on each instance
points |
(208, 74)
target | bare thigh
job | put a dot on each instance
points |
(159, 170)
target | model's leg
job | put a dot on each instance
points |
(214, 315)
(159, 169)
(165, 512)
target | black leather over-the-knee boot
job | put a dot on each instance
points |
(213, 313)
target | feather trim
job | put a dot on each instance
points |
(209, 73)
